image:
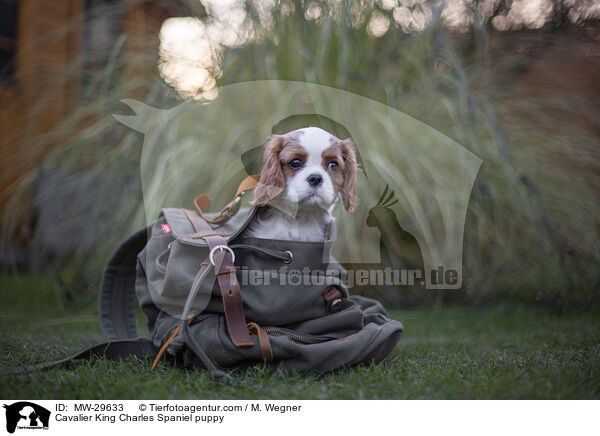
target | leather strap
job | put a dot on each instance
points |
(203, 201)
(333, 299)
(164, 347)
(263, 340)
(248, 184)
(190, 319)
(232, 299)
(228, 283)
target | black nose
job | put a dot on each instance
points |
(314, 180)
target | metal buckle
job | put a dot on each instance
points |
(235, 207)
(211, 255)
(232, 208)
(290, 257)
(335, 305)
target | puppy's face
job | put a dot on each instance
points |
(309, 168)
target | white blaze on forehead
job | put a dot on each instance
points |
(315, 141)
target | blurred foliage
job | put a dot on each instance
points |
(532, 223)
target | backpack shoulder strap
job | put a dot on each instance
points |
(116, 305)
(141, 348)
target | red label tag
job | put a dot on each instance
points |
(166, 228)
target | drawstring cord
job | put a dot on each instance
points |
(285, 256)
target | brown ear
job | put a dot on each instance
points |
(272, 181)
(348, 190)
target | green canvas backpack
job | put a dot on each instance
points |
(190, 272)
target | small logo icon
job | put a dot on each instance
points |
(26, 415)
(166, 228)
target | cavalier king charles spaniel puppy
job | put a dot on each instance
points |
(304, 174)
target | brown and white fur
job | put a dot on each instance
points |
(304, 173)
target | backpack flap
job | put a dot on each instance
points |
(185, 225)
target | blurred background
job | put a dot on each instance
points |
(515, 82)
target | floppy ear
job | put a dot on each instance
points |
(348, 190)
(272, 181)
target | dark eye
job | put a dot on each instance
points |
(333, 166)
(295, 164)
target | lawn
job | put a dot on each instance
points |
(452, 352)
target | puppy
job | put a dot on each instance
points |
(304, 174)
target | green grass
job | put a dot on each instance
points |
(448, 352)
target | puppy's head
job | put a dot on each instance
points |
(309, 168)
